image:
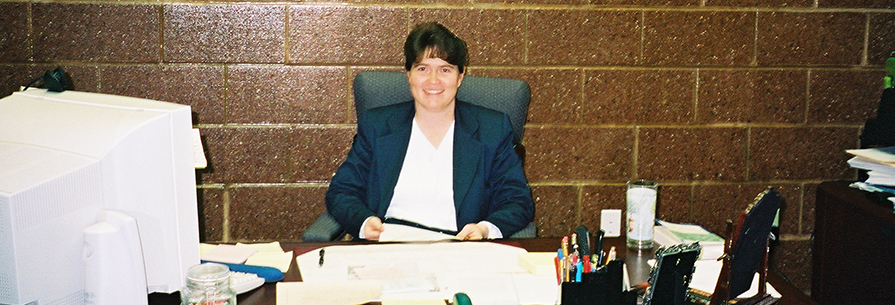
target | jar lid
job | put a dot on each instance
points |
(208, 272)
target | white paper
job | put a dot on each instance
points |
(333, 293)
(668, 234)
(536, 289)
(230, 254)
(396, 232)
(485, 271)
(881, 154)
(706, 276)
(269, 255)
(199, 160)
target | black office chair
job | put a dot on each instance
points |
(380, 88)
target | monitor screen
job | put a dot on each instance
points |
(66, 157)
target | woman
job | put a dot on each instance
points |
(434, 162)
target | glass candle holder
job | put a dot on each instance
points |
(641, 213)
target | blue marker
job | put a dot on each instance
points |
(578, 272)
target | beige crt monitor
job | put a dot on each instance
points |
(64, 158)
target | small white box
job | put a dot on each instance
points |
(610, 222)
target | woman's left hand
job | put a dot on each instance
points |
(473, 232)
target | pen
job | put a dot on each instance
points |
(611, 255)
(565, 245)
(558, 262)
(586, 261)
(598, 248)
(578, 272)
(565, 265)
(321, 257)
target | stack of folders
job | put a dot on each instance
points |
(668, 234)
(879, 164)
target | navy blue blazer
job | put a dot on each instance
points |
(489, 183)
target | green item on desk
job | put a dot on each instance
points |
(890, 72)
(461, 299)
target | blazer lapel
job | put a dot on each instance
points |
(467, 154)
(394, 146)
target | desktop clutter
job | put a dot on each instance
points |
(735, 272)
(588, 277)
(578, 272)
(229, 270)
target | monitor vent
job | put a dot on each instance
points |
(74, 190)
(77, 298)
(5, 287)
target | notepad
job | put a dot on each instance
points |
(230, 254)
(538, 263)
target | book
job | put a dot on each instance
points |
(668, 234)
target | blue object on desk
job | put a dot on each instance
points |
(269, 274)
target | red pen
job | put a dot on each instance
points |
(557, 262)
(586, 264)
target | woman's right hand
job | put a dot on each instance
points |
(373, 228)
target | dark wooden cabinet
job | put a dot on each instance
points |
(854, 247)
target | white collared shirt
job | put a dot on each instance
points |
(424, 192)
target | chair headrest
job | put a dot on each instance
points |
(511, 96)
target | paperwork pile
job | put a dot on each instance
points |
(488, 272)
(879, 163)
(668, 234)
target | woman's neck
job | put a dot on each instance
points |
(434, 125)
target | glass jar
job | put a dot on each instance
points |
(208, 284)
(641, 214)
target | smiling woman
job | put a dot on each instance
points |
(435, 162)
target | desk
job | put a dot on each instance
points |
(854, 238)
(638, 270)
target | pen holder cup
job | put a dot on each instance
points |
(602, 287)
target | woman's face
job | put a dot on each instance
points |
(434, 83)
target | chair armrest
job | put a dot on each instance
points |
(324, 229)
(530, 231)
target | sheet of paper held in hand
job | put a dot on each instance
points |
(488, 272)
(396, 232)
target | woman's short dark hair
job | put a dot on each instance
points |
(434, 40)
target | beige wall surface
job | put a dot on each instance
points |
(715, 99)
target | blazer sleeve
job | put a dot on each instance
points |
(346, 195)
(511, 207)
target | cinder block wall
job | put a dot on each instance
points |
(716, 100)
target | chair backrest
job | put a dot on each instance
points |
(511, 96)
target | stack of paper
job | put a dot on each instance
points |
(879, 162)
(487, 272)
(260, 254)
(668, 234)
